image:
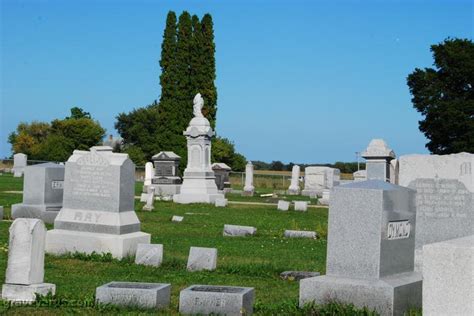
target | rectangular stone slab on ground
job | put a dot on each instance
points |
(283, 205)
(149, 254)
(299, 234)
(135, 294)
(370, 256)
(177, 219)
(201, 258)
(448, 277)
(235, 230)
(301, 206)
(220, 202)
(218, 300)
(98, 207)
(42, 192)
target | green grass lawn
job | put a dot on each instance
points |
(254, 261)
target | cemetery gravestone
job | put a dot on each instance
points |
(19, 164)
(176, 218)
(216, 300)
(199, 184)
(149, 254)
(294, 188)
(202, 259)
(448, 277)
(25, 269)
(248, 187)
(222, 173)
(318, 179)
(360, 175)
(301, 206)
(42, 192)
(444, 199)
(166, 181)
(98, 206)
(221, 202)
(299, 234)
(135, 294)
(378, 156)
(148, 176)
(370, 257)
(235, 230)
(150, 199)
(283, 205)
(324, 200)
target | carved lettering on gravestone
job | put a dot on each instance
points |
(217, 302)
(87, 216)
(398, 230)
(92, 178)
(465, 169)
(442, 198)
(57, 185)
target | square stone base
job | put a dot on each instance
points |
(312, 193)
(197, 198)
(392, 295)
(26, 293)
(59, 241)
(166, 189)
(44, 212)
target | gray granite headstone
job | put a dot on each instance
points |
(378, 156)
(299, 234)
(149, 254)
(283, 205)
(202, 259)
(370, 257)
(301, 206)
(216, 300)
(98, 206)
(166, 180)
(19, 164)
(135, 294)
(236, 230)
(42, 192)
(25, 269)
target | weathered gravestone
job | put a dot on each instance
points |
(166, 181)
(98, 207)
(301, 206)
(248, 187)
(236, 230)
(317, 179)
(216, 300)
(202, 259)
(148, 176)
(135, 294)
(149, 254)
(222, 173)
(25, 268)
(42, 192)
(448, 277)
(299, 234)
(370, 255)
(176, 218)
(19, 164)
(283, 205)
(444, 199)
(360, 175)
(294, 188)
(199, 184)
(150, 200)
(221, 202)
(324, 200)
(378, 157)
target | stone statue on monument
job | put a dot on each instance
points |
(198, 103)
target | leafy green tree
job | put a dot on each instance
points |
(77, 113)
(223, 150)
(28, 138)
(56, 148)
(444, 95)
(277, 165)
(83, 133)
(136, 154)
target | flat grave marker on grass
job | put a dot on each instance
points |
(300, 234)
(221, 202)
(177, 219)
(301, 206)
(235, 230)
(283, 205)
(219, 300)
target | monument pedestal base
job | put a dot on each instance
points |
(26, 293)
(44, 212)
(198, 190)
(166, 189)
(59, 241)
(392, 295)
(312, 193)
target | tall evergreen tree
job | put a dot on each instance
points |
(168, 61)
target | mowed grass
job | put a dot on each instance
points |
(254, 261)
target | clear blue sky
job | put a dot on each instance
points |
(300, 81)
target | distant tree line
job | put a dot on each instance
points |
(344, 167)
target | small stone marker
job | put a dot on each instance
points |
(370, 256)
(149, 254)
(19, 164)
(25, 269)
(234, 230)
(148, 175)
(150, 199)
(300, 234)
(202, 259)
(42, 192)
(177, 219)
(217, 300)
(220, 202)
(283, 205)
(324, 200)
(298, 275)
(448, 277)
(378, 156)
(248, 187)
(135, 294)
(143, 197)
(301, 206)
(294, 188)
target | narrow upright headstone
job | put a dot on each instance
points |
(378, 156)
(42, 192)
(248, 187)
(98, 207)
(294, 188)
(150, 200)
(199, 184)
(370, 256)
(19, 164)
(448, 277)
(148, 176)
(25, 269)
(444, 199)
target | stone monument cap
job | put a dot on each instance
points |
(166, 155)
(101, 148)
(373, 184)
(378, 148)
